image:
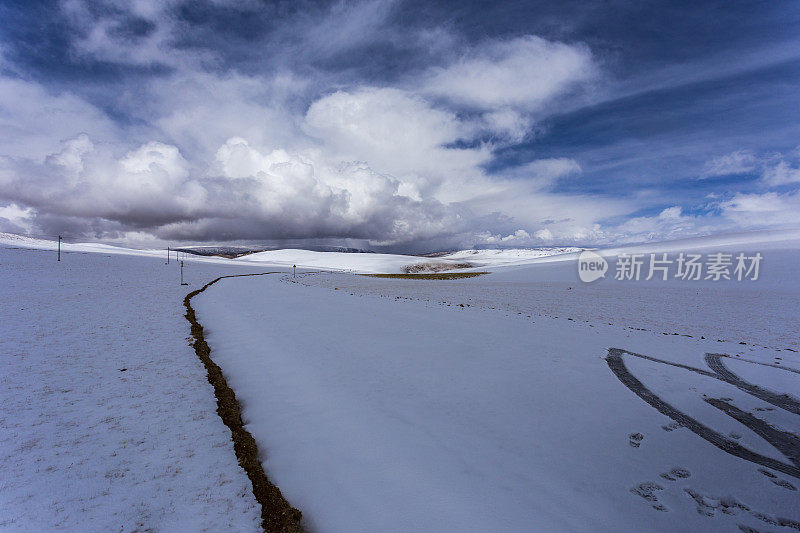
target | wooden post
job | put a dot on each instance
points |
(294, 270)
(59, 247)
(167, 256)
(182, 283)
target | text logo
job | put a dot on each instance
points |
(591, 266)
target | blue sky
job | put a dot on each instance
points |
(405, 126)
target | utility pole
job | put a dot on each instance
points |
(182, 283)
(167, 256)
(59, 247)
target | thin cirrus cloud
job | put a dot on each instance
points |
(739, 162)
(775, 169)
(782, 172)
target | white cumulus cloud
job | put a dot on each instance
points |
(525, 72)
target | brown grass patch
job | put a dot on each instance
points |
(441, 275)
(434, 266)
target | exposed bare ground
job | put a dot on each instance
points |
(434, 266)
(443, 275)
(277, 515)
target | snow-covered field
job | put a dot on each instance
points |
(516, 401)
(508, 256)
(752, 312)
(107, 421)
(387, 406)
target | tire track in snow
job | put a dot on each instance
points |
(277, 515)
(787, 444)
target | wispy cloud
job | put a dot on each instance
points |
(739, 162)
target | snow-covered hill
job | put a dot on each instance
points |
(393, 263)
(508, 255)
(308, 259)
(366, 263)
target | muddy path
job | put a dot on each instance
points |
(277, 515)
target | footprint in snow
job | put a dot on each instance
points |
(635, 439)
(647, 491)
(776, 480)
(676, 473)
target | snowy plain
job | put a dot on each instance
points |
(485, 404)
(107, 421)
(404, 405)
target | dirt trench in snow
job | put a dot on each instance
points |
(277, 515)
